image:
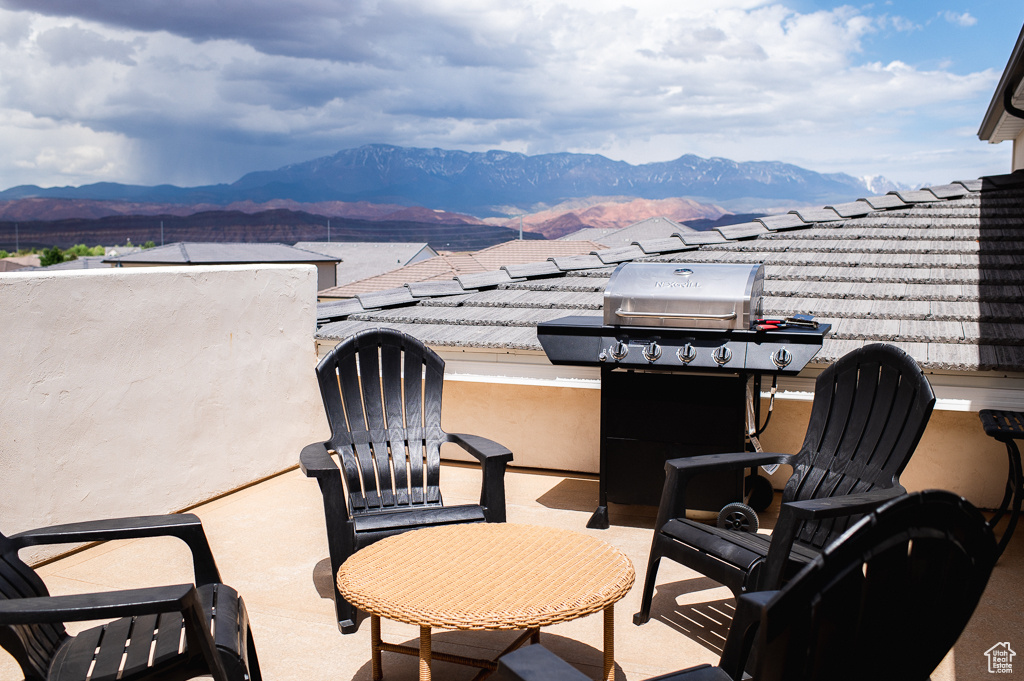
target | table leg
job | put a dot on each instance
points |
(424, 653)
(375, 646)
(609, 643)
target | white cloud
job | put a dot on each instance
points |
(962, 19)
(195, 92)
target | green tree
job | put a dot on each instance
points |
(4, 254)
(51, 256)
(148, 244)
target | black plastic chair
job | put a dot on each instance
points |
(144, 643)
(870, 409)
(885, 602)
(382, 393)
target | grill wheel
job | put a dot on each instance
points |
(738, 517)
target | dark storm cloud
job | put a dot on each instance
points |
(370, 32)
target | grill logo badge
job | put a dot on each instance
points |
(681, 272)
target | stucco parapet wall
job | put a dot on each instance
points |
(149, 390)
(955, 390)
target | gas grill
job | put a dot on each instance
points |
(679, 346)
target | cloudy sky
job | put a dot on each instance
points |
(193, 92)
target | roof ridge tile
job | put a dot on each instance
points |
(852, 209)
(885, 202)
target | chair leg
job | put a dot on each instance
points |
(252, 660)
(348, 622)
(653, 562)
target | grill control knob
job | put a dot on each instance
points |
(782, 358)
(619, 350)
(722, 354)
(602, 357)
(652, 352)
(686, 354)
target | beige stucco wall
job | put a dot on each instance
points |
(147, 390)
(557, 427)
(1018, 152)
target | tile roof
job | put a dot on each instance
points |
(454, 265)
(939, 272)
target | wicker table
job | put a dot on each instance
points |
(485, 576)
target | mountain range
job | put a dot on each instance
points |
(493, 183)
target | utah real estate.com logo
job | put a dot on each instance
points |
(1000, 658)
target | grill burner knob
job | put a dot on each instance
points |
(687, 353)
(652, 352)
(722, 355)
(619, 350)
(782, 358)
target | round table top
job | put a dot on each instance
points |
(486, 576)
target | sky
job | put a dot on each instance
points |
(193, 92)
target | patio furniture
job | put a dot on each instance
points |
(387, 434)
(153, 621)
(885, 602)
(1007, 426)
(869, 411)
(485, 577)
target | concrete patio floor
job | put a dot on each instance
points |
(270, 544)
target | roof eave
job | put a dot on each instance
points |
(1012, 76)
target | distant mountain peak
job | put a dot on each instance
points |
(497, 182)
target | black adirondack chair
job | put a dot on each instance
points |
(885, 602)
(382, 392)
(151, 620)
(870, 409)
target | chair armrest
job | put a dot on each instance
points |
(93, 606)
(536, 663)
(849, 504)
(794, 514)
(315, 460)
(480, 447)
(181, 598)
(679, 472)
(493, 458)
(185, 526)
(728, 461)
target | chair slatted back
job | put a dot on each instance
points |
(32, 645)
(887, 601)
(869, 412)
(382, 393)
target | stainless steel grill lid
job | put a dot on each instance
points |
(677, 295)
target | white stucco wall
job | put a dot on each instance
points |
(147, 390)
(1018, 152)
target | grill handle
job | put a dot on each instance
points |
(676, 315)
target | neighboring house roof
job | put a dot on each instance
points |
(588, 234)
(363, 259)
(8, 266)
(999, 125)
(89, 262)
(213, 253)
(651, 228)
(938, 272)
(17, 262)
(451, 265)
